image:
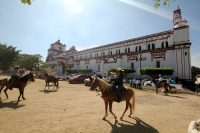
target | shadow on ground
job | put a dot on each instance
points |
(139, 127)
(12, 104)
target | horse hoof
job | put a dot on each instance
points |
(104, 118)
(24, 99)
(129, 116)
(121, 118)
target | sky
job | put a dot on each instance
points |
(91, 23)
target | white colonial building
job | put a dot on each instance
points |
(164, 49)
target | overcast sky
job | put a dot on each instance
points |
(90, 23)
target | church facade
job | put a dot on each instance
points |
(164, 49)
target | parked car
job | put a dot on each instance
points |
(144, 80)
(62, 77)
(87, 81)
(78, 78)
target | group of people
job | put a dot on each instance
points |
(135, 83)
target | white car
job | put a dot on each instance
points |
(148, 83)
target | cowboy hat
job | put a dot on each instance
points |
(111, 73)
(16, 66)
(120, 69)
(159, 75)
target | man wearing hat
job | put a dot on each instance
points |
(15, 76)
(159, 80)
(51, 74)
(119, 82)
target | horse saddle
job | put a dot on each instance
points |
(122, 91)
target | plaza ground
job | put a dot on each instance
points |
(75, 109)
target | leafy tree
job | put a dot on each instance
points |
(8, 55)
(44, 65)
(70, 71)
(165, 2)
(26, 2)
(30, 62)
(83, 70)
(154, 72)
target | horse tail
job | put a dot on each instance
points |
(170, 87)
(57, 84)
(133, 101)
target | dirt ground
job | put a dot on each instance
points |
(75, 109)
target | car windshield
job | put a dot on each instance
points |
(77, 76)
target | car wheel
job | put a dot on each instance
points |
(75, 82)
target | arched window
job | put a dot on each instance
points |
(158, 64)
(166, 43)
(149, 47)
(132, 65)
(129, 50)
(125, 50)
(139, 48)
(90, 55)
(117, 51)
(153, 46)
(85, 56)
(162, 45)
(136, 49)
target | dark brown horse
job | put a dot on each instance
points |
(165, 85)
(53, 80)
(21, 84)
(109, 96)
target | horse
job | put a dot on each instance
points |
(21, 84)
(90, 78)
(53, 80)
(162, 84)
(109, 96)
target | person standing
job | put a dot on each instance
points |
(130, 82)
(119, 83)
(15, 76)
(159, 80)
(134, 83)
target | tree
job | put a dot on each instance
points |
(154, 72)
(30, 62)
(82, 70)
(44, 65)
(8, 55)
(165, 2)
(26, 2)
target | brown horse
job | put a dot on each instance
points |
(53, 80)
(109, 96)
(162, 84)
(21, 84)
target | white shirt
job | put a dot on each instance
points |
(51, 73)
(160, 79)
(134, 81)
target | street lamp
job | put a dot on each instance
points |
(139, 59)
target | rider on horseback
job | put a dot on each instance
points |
(159, 80)
(119, 82)
(15, 76)
(50, 75)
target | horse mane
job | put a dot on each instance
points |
(25, 76)
(104, 84)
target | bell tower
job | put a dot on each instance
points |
(177, 16)
(181, 46)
